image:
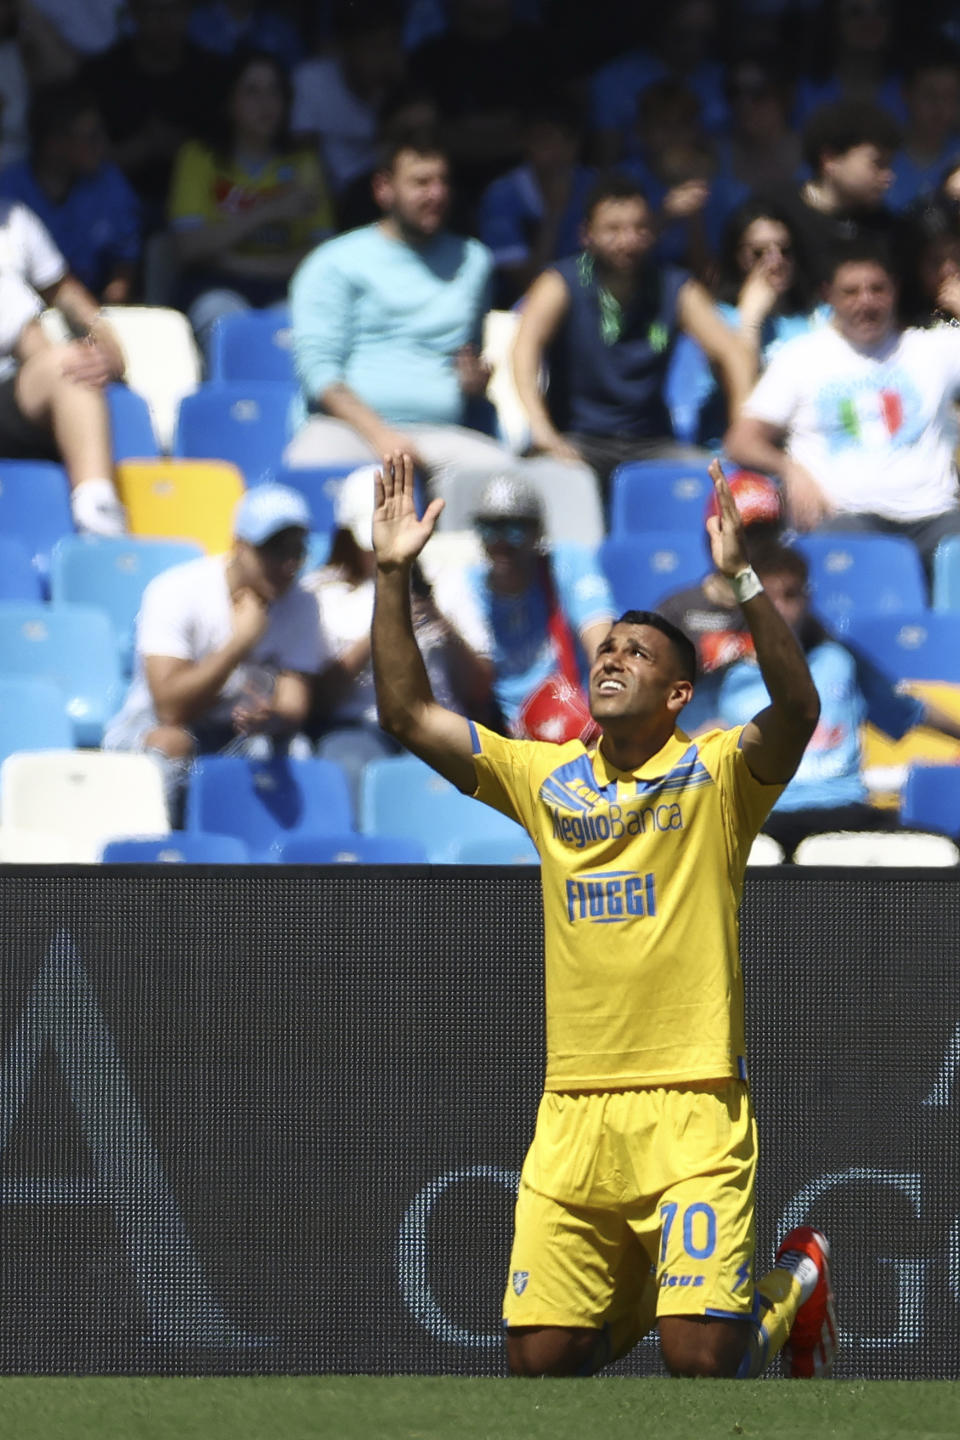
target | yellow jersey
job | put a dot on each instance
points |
(642, 875)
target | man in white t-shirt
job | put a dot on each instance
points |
(52, 401)
(857, 418)
(226, 644)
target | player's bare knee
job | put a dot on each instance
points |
(702, 1350)
(550, 1351)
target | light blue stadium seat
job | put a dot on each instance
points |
(946, 575)
(348, 849)
(33, 715)
(496, 851)
(266, 801)
(401, 796)
(180, 847)
(687, 382)
(73, 645)
(642, 569)
(930, 799)
(921, 646)
(318, 485)
(19, 577)
(35, 507)
(241, 421)
(252, 345)
(658, 495)
(112, 573)
(863, 575)
(131, 428)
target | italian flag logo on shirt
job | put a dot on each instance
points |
(860, 416)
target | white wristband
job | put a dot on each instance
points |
(746, 585)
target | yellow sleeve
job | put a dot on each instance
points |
(746, 801)
(319, 222)
(503, 774)
(191, 187)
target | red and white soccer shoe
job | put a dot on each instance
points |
(812, 1345)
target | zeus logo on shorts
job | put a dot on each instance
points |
(667, 1279)
(608, 896)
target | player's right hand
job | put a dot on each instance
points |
(398, 534)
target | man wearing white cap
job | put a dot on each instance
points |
(226, 644)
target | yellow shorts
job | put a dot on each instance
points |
(627, 1189)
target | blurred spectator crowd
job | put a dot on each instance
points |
(561, 254)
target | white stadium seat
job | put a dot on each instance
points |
(87, 796)
(877, 847)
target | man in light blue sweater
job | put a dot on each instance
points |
(386, 330)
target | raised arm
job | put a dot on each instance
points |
(773, 741)
(405, 702)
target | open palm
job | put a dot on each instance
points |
(398, 534)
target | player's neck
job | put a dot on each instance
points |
(628, 749)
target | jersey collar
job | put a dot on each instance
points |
(665, 760)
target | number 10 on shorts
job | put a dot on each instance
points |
(699, 1229)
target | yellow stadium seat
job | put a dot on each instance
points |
(181, 499)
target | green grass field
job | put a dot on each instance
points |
(408, 1408)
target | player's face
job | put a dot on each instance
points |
(620, 233)
(415, 193)
(863, 296)
(636, 676)
(271, 569)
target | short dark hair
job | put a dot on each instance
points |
(774, 558)
(612, 186)
(684, 648)
(845, 124)
(400, 135)
(861, 250)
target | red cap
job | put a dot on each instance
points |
(556, 711)
(756, 497)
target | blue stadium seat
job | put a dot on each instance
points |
(401, 796)
(859, 574)
(658, 495)
(348, 849)
(19, 577)
(131, 428)
(112, 573)
(931, 799)
(252, 345)
(318, 485)
(73, 645)
(496, 851)
(265, 801)
(35, 507)
(33, 715)
(921, 646)
(946, 575)
(180, 847)
(642, 569)
(244, 422)
(687, 382)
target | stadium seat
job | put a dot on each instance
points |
(84, 795)
(642, 569)
(687, 381)
(19, 577)
(244, 422)
(131, 428)
(918, 646)
(499, 334)
(497, 850)
(347, 849)
(318, 485)
(44, 847)
(659, 495)
(931, 799)
(946, 575)
(163, 362)
(33, 715)
(853, 575)
(401, 796)
(111, 573)
(765, 851)
(35, 507)
(181, 500)
(252, 345)
(180, 847)
(265, 801)
(73, 645)
(877, 847)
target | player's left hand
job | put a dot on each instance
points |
(727, 539)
